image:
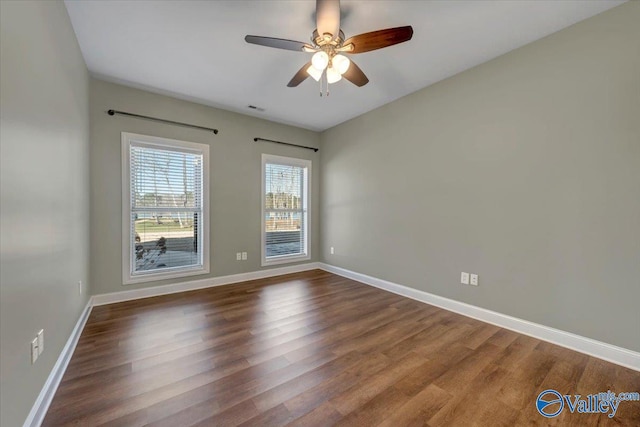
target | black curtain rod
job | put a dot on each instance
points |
(171, 122)
(285, 143)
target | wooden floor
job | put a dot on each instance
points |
(317, 349)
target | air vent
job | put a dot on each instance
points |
(253, 107)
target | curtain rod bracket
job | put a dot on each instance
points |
(285, 143)
(155, 119)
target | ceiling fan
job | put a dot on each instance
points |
(329, 64)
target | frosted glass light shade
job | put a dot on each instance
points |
(314, 72)
(333, 75)
(320, 60)
(341, 63)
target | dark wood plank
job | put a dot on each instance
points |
(314, 348)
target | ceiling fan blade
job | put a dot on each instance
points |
(378, 39)
(355, 75)
(278, 43)
(300, 76)
(328, 17)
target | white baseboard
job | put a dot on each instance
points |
(192, 285)
(610, 353)
(41, 405)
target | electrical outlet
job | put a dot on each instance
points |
(464, 278)
(79, 287)
(332, 251)
(238, 256)
(40, 341)
(474, 280)
(244, 256)
(34, 350)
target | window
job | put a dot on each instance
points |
(285, 209)
(165, 208)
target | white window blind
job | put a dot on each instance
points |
(285, 209)
(166, 214)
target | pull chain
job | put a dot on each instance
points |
(324, 83)
(329, 65)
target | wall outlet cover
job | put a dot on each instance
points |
(474, 280)
(41, 341)
(34, 350)
(464, 278)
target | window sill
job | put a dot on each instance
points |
(154, 277)
(285, 260)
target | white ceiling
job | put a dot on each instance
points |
(195, 50)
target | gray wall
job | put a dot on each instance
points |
(524, 170)
(44, 155)
(235, 177)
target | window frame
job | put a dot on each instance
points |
(306, 203)
(128, 276)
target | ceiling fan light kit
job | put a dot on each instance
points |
(341, 63)
(314, 73)
(329, 65)
(320, 60)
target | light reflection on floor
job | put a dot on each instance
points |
(285, 309)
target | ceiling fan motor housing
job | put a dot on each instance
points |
(327, 39)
